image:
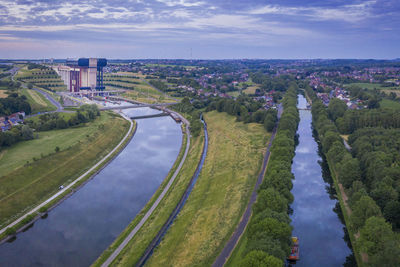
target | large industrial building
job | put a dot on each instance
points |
(83, 74)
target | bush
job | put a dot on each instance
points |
(10, 231)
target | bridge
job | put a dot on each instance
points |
(137, 106)
(162, 114)
(304, 109)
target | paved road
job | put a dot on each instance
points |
(51, 99)
(45, 94)
(230, 246)
(75, 181)
(155, 204)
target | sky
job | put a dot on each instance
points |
(200, 29)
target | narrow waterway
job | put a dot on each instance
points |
(156, 241)
(316, 216)
(77, 231)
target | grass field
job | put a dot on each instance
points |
(250, 90)
(37, 101)
(387, 103)
(23, 185)
(219, 197)
(139, 243)
(234, 93)
(371, 86)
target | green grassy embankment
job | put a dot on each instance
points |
(37, 101)
(31, 171)
(220, 195)
(136, 247)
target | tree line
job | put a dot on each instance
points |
(51, 121)
(14, 103)
(365, 177)
(46, 122)
(269, 231)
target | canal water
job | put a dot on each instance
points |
(316, 216)
(77, 231)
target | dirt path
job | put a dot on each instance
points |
(345, 199)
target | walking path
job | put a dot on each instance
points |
(155, 204)
(230, 246)
(76, 180)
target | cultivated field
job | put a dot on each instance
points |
(31, 171)
(219, 197)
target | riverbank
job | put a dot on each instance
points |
(220, 195)
(100, 148)
(138, 243)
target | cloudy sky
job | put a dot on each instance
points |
(208, 29)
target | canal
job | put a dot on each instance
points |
(77, 231)
(316, 217)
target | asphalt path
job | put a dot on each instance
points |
(51, 99)
(230, 246)
(155, 204)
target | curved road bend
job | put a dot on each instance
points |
(155, 204)
(230, 246)
(76, 180)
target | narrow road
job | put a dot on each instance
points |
(45, 94)
(51, 99)
(230, 246)
(75, 181)
(155, 204)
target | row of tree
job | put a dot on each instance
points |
(351, 120)
(376, 237)
(269, 231)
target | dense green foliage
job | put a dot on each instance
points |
(352, 120)
(269, 230)
(14, 103)
(16, 134)
(52, 121)
(245, 109)
(370, 177)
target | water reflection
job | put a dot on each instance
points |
(77, 231)
(314, 219)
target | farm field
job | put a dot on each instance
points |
(220, 195)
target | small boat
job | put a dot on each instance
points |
(294, 253)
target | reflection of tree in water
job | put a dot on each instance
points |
(330, 189)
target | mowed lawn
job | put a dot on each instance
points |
(24, 185)
(220, 195)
